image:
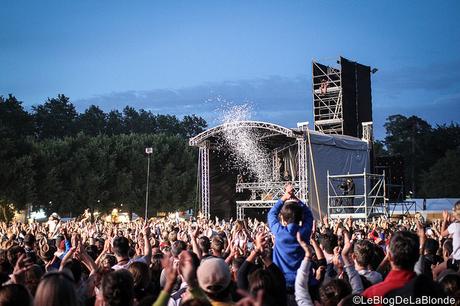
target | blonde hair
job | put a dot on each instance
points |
(456, 209)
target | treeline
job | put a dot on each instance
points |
(60, 160)
(57, 118)
(431, 155)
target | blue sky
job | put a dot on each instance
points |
(187, 57)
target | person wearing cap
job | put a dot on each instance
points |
(214, 279)
(295, 217)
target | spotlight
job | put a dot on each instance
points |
(374, 70)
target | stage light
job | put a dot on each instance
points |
(374, 70)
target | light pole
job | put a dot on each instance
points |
(149, 152)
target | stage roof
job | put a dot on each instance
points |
(273, 135)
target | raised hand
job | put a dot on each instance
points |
(346, 247)
(67, 257)
(171, 275)
(146, 230)
(260, 241)
(420, 229)
(22, 265)
(187, 269)
(445, 216)
(313, 230)
(305, 246)
(288, 192)
(320, 272)
(325, 221)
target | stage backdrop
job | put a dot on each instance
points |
(339, 154)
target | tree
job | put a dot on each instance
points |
(15, 122)
(379, 148)
(56, 118)
(146, 122)
(408, 137)
(192, 125)
(442, 179)
(93, 121)
(130, 120)
(94, 160)
(114, 123)
(168, 124)
(17, 187)
(442, 139)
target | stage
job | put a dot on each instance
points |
(298, 155)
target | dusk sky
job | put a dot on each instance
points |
(184, 57)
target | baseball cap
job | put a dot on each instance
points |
(213, 275)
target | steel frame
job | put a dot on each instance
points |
(275, 189)
(358, 206)
(276, 129)
(367, 131)
(258, 189)
(267, 191)
(203, 165)
(405, 208)
(242, 205)
(302, 164)
(327, 108)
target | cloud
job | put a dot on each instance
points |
(430, 92)
(439, 77)
(277, 99)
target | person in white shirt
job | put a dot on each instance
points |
(121, 249)
(453, 230)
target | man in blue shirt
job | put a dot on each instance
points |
(294, 216)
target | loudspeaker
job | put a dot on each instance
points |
(356, 96)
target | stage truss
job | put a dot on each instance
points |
(260, 191)
(368, 202)
(263, 195)
(203, 164)
(402, 208)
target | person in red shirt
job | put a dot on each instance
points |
(402, 255)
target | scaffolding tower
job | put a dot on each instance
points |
(367, 200)
(327, 99)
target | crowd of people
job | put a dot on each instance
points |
(287, 259)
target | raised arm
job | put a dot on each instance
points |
(193, 233)
(353, 275)
(318, 251)
(445, 222)
(147, 246)
(302, 295)
(273, 221)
